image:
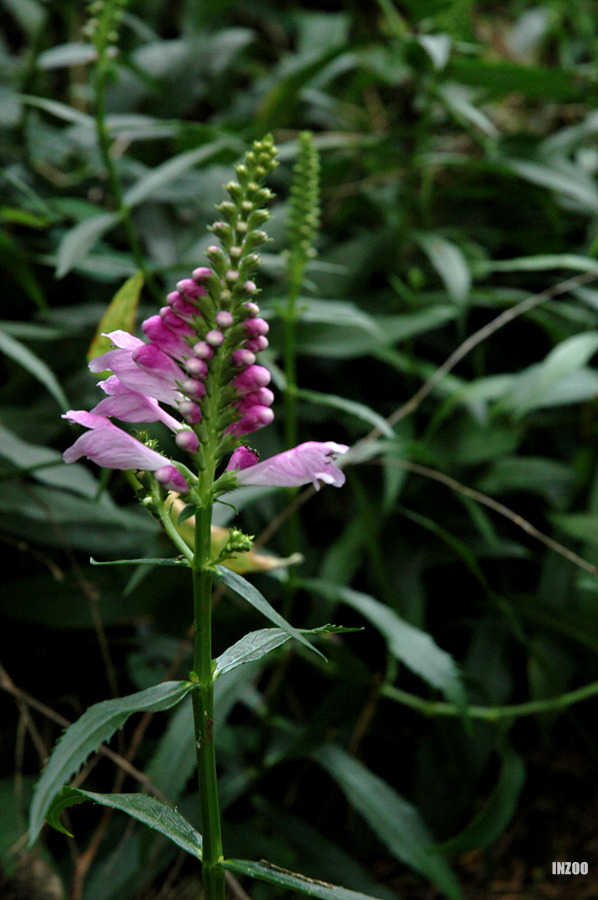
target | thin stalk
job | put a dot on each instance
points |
(490, 713)
(203, 709)
(104, 140)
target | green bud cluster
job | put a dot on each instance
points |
(239, 231)
(103, 25)
(304, 209)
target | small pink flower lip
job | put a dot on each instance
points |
(311, 462)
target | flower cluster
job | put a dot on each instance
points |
(199, 358)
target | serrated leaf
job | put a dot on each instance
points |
(413, 647)
(148, 810)
(84, 736)
(312, 887)
(395, 821)
(34, 365)
(247, 591)
(258, 643)
(120, 315)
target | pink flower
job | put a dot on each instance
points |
(131, 406)
(109, 446)
(156, 381)
(310, 462)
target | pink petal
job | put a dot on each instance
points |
(110, 446)
(310, 462)
(131, 406)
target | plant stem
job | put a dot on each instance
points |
(104, 140)
(203, 709)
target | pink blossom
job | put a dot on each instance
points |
(153, 382)
(108, 445)
(310, 462)
(131, 406)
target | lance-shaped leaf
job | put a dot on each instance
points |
(312, 887)
(152, 812)
(84, 736)
(395, 821)
(248, 592)
(258, 643)
(412, 646)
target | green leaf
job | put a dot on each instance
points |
(148, 810)
(34, 365)
(359, 410)
(448, 260)
(560, 378)
(413, 647)
(395, 821)
(247, 591)
(76, 242)
(560, 176)
(95, 726)
(265, 871)
(141, 561)
(120, 315)
(258, 643)
(173, 168)
(497, 812)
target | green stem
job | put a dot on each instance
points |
(203, 709)
(491, 713)
(104, 140)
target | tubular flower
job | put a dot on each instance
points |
(110, 446)
(310, 462)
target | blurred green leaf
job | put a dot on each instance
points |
(34, 365)
(395, 821)
(496, 813)
(413, 647)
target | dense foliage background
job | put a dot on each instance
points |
(458, 155)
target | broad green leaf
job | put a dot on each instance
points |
(76, 242)
(560, 378)
(265, 871)
(170, 170)
(83, 738)
(34, 365)
(493, 818)
(448, 260)
(75, 53)
(501, 77)
(561, 176)
(582, 526)
(45, 465)
(258, 643)
(120, 315)
(247, 591)
(539, 263)
(395, 821)
(412, 646)
(148, 810)
(359, 410)
(60, 110)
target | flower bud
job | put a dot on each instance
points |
(187, 440)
